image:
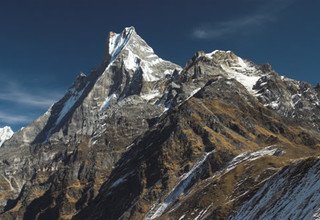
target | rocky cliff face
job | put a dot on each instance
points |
(142, 138)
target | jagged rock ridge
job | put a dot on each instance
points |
(142, 138)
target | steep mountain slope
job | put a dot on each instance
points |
(130, 68)
(81, 136)
(5, 134)
(187, 163)
(292, 193)
(142, 138)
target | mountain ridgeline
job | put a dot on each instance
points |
(143, 138)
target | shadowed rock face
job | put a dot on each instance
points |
(142, 138)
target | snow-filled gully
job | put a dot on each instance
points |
(183, 184)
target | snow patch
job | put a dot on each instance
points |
(273, 104)
(69, 103)
(248, 81)
(238, 69)
(131, 62)
(120, 180)
(5, 134)
(193, 93)
(150, 96)
(199, 215)
(209, 55)
(147, 72)
(118, 41)
(156, 61)
(242, 63)
(180, 188)
(168, 72)
(281, 197)
(107, 101)
(250, 156)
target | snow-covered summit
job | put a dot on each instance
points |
(137, 54)
(130, 68)
(235, 67)
(5, 134)
(118, 41)
(144, 68)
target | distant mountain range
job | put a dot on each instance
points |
(143, 138)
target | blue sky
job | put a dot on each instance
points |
(45, 44)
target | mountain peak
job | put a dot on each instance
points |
(5, 134)
(131, 68)
(136, 54)
(228, 58)
(139, 131)
(231, 66)
(117, 41)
